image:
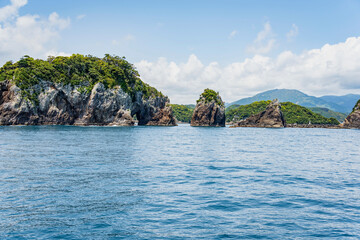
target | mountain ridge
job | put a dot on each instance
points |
(341, 104)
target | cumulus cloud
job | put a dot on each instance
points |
(332, 69)
(294, 31)
(11, 10)
(264, 41)
(27, 34)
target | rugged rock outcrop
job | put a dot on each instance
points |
(58, 104)
(353, 120)
(271, 117)
(209, 110)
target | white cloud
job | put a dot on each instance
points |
(56, 53)
(264, 41)
(27, 34)
(332, 69)
(11, 10)
(233, 34)
(294, 31)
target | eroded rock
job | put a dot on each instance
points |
(65, 105)
(209, 110)
(271, 117)
(353, 120)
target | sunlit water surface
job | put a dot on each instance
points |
(178, 182)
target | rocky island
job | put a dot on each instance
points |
(275, 114)
(209, 110)
(79, 90)
(271, 117)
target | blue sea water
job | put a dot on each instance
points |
(63, 182)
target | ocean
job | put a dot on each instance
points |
(67, 182)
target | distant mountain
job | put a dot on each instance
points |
(346, 101)
(294, 96)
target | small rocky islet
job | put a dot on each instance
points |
(209, 110)
(86, 90)
(271, 117)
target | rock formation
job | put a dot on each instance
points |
(58, 104)
(209, 110)
(271, 117)
(353, 120)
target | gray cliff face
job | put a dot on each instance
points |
(65, 105)
(271, 117)
(209, 114)
(353, 120)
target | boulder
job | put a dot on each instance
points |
(209, 110)
(271, 117)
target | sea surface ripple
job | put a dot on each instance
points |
(64, 182)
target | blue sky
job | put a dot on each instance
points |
(198, 43)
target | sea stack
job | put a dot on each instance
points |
(353, 120)
(209, 110)
(271, 117)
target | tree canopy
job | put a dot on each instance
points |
(210, 95)
(76, 70)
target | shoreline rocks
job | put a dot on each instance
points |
(209, 110)
(58, 104)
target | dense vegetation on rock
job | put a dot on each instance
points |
(210, 95)
(78, 70)
(293, 113)
(183, 113)
(329, 113)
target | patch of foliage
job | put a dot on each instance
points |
(244, 111)
(183, 113)
(210, 95)
(77, 70)
(329, 113)
(293, 113)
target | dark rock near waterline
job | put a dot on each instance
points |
(271, 117)
(59, 104)
(209, 111)
(353, 120)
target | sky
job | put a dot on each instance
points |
(236, 47)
